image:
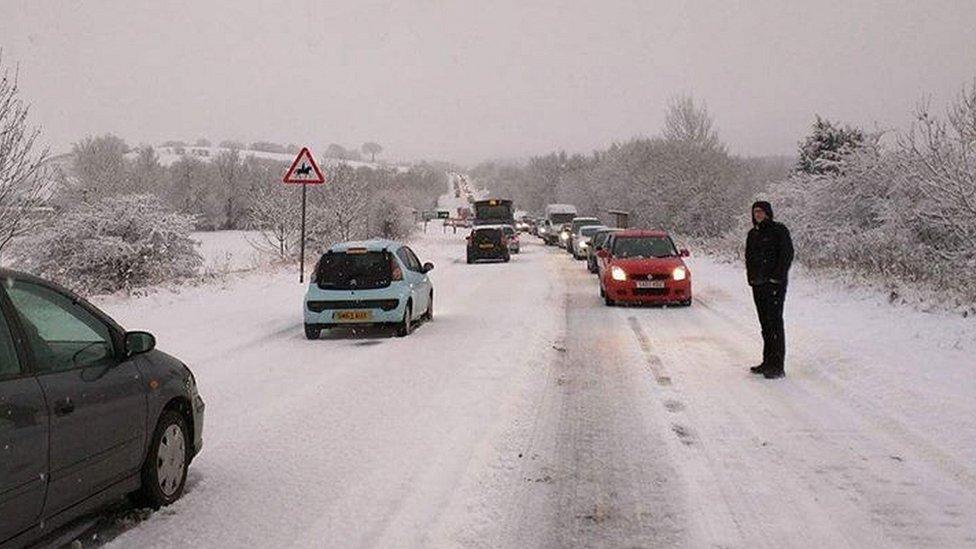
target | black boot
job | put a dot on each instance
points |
(758, 369)
(773, 374)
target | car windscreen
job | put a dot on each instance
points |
(559, 218)
(643, 247)
(508, 231)
(600, 238)
(354, 270)
(589, 231)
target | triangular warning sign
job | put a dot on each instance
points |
(304, 170)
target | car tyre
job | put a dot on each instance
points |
(608, 301)
(429, 315)
(167, 462)
(312, 332)
(406, 325)
(686, 303)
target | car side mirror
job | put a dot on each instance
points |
(428, 267)
(137, 343)
(684, 253)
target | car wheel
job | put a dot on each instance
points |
(429, 315)
(686, 303)
(312, 331)
(406, 325)
(602, 293)
(164, 471)
(608, 301)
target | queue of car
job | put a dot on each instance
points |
(633, 266)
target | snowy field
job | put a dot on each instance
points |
(229, 251)
(527, 414)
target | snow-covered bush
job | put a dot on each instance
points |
(117, 243)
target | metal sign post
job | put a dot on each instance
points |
(303, 171)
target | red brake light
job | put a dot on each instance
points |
(396, 273)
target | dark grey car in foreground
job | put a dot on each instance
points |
(88, 412)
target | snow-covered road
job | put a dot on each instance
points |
(530, 415)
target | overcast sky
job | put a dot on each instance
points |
(465, 81)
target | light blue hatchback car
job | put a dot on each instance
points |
(370, 283)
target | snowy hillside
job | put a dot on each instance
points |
(169, 155)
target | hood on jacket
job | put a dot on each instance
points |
(766, 207)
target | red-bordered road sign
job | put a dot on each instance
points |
(304, 170)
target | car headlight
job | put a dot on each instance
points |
(679, 273)
(564, 236)
(617, 273)
(584, 244)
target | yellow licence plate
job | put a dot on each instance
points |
(486, 246)
(352, 315)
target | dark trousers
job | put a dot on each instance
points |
(769, 300)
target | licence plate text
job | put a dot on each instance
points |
(650, 283)
(352, 315)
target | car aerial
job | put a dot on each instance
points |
(574, 229)
(89, 412)
(581, 244)
(487, 242)
(597, 242)
(371, 283)
(644, 266)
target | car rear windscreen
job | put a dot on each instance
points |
(354, 270)
(560, 218)
(643, 247)
(588, 231)
(487, 236)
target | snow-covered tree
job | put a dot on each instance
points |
(117, 243)
(824, 150)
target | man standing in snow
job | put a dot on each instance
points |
(769, 253)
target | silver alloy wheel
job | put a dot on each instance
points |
(171, 460)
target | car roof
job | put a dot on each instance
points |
(496, 226)
(374, 245)
(609, 230)
(585, 218)
(626, 233)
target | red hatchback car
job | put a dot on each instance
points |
(639, 266)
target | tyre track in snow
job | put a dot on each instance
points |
(814, 451)
(613, 482)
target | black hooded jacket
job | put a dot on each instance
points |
(769, 249)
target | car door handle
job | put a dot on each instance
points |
(64, 407)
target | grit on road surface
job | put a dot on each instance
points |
(530, 415)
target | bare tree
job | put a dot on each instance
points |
(229, 168)
(22, 186)
(690, 123)
(372, 149)
(146, 174)
(276, 216)
(99, 169)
